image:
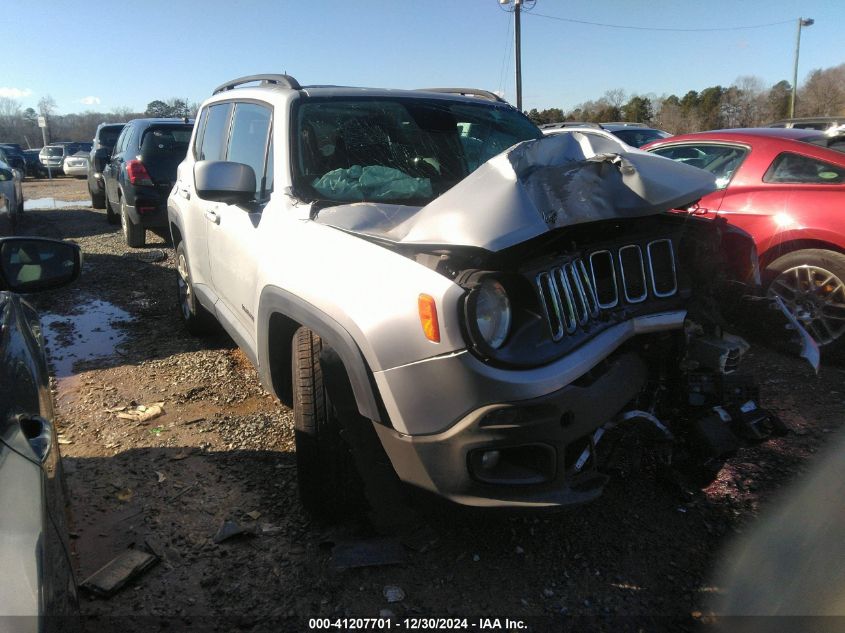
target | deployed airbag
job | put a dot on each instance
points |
(372, 182)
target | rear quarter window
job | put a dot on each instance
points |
(789, 168)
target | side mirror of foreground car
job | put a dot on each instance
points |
(30, 264)
(224, 181)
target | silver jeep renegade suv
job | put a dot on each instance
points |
(435, 287)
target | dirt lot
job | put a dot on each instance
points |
(223, 449)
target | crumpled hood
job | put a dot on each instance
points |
(532, 188)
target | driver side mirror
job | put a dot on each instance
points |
(224, 181)
(30, 264)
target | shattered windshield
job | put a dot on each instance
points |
(398, 150)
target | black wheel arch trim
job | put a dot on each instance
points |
(275, 300)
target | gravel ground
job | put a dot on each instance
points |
(223, 450)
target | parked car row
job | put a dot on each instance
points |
(633, 134)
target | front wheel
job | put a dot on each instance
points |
(134, 234)
(329, 484)
(811, 282)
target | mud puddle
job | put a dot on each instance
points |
(89, 334)
(52, 203)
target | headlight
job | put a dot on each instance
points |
(492, 312)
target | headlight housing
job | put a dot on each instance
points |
(489, 313)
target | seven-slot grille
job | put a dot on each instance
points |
(573, 293)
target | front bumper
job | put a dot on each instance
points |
(56, 168)
(428, 397)
(534, 444)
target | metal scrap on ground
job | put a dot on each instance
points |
(110, 578)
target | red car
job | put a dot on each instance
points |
(786, 187)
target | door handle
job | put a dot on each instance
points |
(39, 433)
(211, 216)
(185, 193)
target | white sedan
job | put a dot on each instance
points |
(76, 165)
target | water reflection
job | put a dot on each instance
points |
(86, 335)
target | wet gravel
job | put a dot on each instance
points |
(223, 449)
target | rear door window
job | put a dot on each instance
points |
(108, 136)
(121, 140)
(248, 139)
(720, 160)
(216, 131)
(803, 170)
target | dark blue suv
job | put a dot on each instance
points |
(141, 173)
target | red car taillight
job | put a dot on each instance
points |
(138, 174)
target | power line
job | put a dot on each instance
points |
(658, 28)
(506, 56)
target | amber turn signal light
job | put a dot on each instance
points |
(428, 318)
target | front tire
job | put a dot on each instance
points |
(197, 319)
(134, 234)
(329, 484)
(811, 283)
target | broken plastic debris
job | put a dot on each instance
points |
(230, 529)
(368, 553)
(809, 347)
(110, 578)
(392, 593)
(161, 476)
(139, 413)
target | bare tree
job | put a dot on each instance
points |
(615, 98)
(46, 106)
(823, 94)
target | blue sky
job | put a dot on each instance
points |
(100, 56)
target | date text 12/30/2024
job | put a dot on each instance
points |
(416, 624)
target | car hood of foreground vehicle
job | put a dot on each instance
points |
(534, 187)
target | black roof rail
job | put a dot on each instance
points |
(471, 92)
(285, 81)
(625, 123)
(565, 124)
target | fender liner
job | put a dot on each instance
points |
(277, 300)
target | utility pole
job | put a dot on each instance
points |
(517, 46)
(801, 22)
